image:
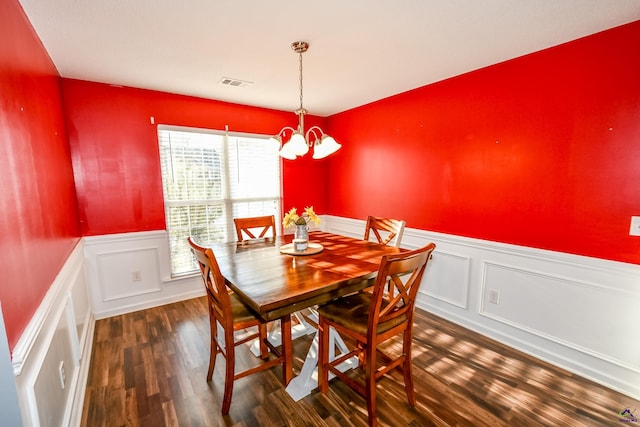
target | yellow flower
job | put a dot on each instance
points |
(292, 218)
(312, 215)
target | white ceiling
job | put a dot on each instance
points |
(361, 50)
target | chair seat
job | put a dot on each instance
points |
(352, 312)
(241, 313)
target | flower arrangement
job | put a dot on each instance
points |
(292, 218)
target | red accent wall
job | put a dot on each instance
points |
(39, 222)
(541, 151)
(116, 159)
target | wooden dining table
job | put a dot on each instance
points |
(276, 284)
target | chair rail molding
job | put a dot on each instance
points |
(573, 311)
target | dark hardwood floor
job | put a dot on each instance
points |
(148, 368)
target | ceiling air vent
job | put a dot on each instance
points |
(228, 81)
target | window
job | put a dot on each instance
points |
(210, 177)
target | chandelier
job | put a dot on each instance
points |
(300, 142)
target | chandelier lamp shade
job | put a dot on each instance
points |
(300, 142)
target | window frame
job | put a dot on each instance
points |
(227, 201)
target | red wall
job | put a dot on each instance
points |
(116, 160)
(39, 222)
(541, 151)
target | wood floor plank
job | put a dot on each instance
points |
(148, 368)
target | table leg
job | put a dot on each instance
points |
(287, 349)
(307, 379)
(300, 328)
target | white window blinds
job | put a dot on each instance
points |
(210, 177)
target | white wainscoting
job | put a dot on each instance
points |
(579, 313)
(104, 276)
(131, 271)
(51, 359)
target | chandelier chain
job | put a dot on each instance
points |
(300, 56)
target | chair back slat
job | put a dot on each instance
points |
(255, 227)
(390, 228)
(397, 284)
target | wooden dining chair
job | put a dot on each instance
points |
(247, 226)
(370, 319)
(226, 310)
(255, 227)
(385, 230)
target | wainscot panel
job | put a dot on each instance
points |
(576, 312)
(131, 271)
(49, 360)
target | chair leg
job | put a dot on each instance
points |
(323, 355)
(287, 349)
(407, 367)
(370, 383)
(362, 357)
(230, 362)
(262, 337)
(213, 351)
